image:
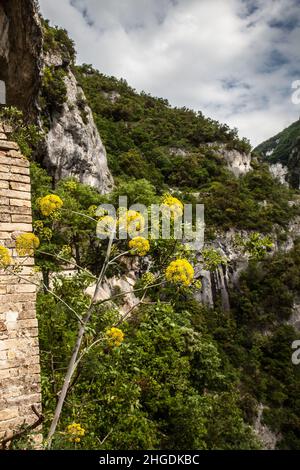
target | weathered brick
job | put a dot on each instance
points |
(21, 170)
(4, 201)
(21, 218)
(9, 414)
(18, 210)
(20, 288)
(9, 227)
(3, 168)
(19, 203)
(5, 217)
(7, 145)
(24, 195)
(11, 424)
(7, 128)
(15, 185)
(15, 177)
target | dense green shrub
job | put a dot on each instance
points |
(54, 89)
(25, 134)
(57, 40)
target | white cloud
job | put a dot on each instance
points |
(235, 60)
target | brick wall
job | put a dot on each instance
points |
(19, 350)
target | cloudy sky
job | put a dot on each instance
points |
(235, 60)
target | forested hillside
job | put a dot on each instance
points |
(146, 138)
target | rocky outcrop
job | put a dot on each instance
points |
(294, 320)
(268, 438)
(216, 285)
(73, 146)
(280, 172)
(238, 163)
(2, 92)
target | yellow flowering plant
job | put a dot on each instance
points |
(75, 432)
(70, 185)
(5, 258)
(147, 279)
(115, 336)
(73, 244)
(139, 246)
(50, 204)
(181, 272)
(38, 225)
(65, 252)
(131, 221)
(172, 205)
(92, 210)
(46, 234)
(106, 225)
(26, 244)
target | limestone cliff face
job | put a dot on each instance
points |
(72, 145)
(238, 163)
(280, 172)
(216, 285)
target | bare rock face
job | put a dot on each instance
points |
(73, 145)
(20, 49)
(280, 172)
(268, 438)
(237, 162)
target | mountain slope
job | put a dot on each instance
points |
(146, 137)
(179, 149)
(284, 148)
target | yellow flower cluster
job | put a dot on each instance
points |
(172, 205)
(65, 252)
(180, 272)
(92, 210)
(106, 225)
(115, 336)
(148, 279)
(132, 221)
(139, 246)
(76, 432)
(5, 259)
(49, 204)
(26, 244)
(38, 225)
(45, 233)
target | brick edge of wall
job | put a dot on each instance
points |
(19, 348)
